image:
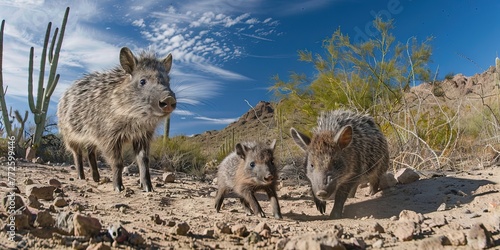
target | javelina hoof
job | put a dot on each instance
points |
(320, 205)
(119, 188)
(147, 187)
(278, 216)
(336, 215)
(96, 177)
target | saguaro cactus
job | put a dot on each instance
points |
(5, 114)
(39, 109)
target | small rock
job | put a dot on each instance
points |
(12, 201)
(222, 228)
(99, 246)
(407, 175)
(28, 181)
(181, 228)
(387, 180)
(378, 244)
(44, 219)
(136, 239)
(408, 215)
(21, 221)
(64, 221)
(438, 221)
(85, 225)
(40, 192)
(168, 177)
(55, 183)
(281, 243)
(60, 202)
(265, 233)
(377, 228)
(457, 238)
(33, 202)
(436, 242)
(261, 227)
(156, 218)
(209, 232)
(214, 181)
(478, 237)
(315, 241)
(441, 207)
(404, 230)
(253, 237)
(239, 230)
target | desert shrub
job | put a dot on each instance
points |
(449, 76)
(178, 154)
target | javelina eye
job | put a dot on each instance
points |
(252, 164)
(143, 82)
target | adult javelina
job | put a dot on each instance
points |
(104, 110)
(248, 169)
(345, 149)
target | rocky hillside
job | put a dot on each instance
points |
(256, 124)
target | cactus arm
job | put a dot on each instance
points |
(5, 115)
(55, 58)
(43, 59)
(31, 101)
(51, 50)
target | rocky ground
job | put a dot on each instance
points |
(450, 210)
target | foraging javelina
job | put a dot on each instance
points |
(248, 169)
(104, 110)
(345, 149)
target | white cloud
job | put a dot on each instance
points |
(139, 23)
(216, 120)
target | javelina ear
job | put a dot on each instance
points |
(168, 62)
(241, 150)
(127, 60)
(273, 144)
(344, 137)
(300, 139)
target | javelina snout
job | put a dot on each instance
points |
(104, 110)
(168, 103)
(345, 149)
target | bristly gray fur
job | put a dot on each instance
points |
(346, 148)
(104, 110)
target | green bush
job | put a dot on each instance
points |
(178, 154)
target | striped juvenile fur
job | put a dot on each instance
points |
(248, 169)
(346, 148)
(104, 110)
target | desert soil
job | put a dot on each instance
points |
(469, 197)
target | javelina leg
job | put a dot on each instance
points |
(254, 204)
(374, 186)
(115, 160)
(93, 163)
(245, 204)
(273, 198)
(77, 157)
(353, 191)
(340, 198)
(141, 149)
(219, 198)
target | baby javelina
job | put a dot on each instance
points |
(248, 169)
(345, 149)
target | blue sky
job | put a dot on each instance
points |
(226, 52)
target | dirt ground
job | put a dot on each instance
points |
(470, 197)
